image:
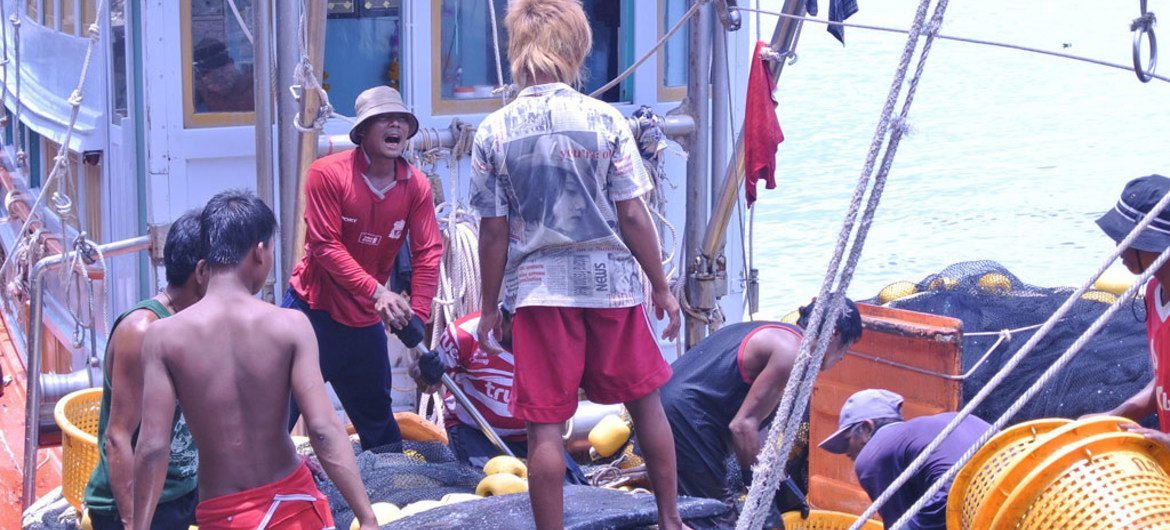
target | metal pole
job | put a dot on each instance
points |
(783, 40)
(36, 333)
(262, 94)
(287, 137)
(698, 163)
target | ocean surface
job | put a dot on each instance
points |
(1012, 155)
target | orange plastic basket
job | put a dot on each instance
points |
(77, 416)
(1109, 481)
(974, 482)
(825, 520)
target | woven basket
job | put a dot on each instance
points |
(77, 416)
(825, 520)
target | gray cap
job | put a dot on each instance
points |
(868, 404)
(377, 101)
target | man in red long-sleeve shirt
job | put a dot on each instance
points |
(360, 206)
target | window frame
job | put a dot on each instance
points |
(192, 119)
(667, 92)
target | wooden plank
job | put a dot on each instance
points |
(927, 342)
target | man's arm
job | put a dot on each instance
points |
(1139, 405)
(153, 451)
(641, 237)
(426, 249)
(125, 365)
(760, 402)
(323, 236)
(326, 434)
(493, 256)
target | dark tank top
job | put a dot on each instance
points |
(708, 387)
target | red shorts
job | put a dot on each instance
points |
(291, 502)
(611, 353)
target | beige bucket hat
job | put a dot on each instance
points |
(376, 101)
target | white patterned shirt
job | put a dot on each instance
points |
(555, 162)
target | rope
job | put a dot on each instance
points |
(1048, 374)
(500, 87)
(60, 164)
(1019, 356)
(305, 78)
(653, 50)
(240, 22)
(769, 470)
(968, 40)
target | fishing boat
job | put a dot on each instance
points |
(120, 116)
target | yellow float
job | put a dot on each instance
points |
(505, 464)
(609, 435)
(1114, 280)
(995, 283)
(384, 513)
(501, 484)
(895, 291)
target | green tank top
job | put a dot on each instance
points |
(184, 460)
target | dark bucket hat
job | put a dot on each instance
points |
(377, 101)
(1139, 197)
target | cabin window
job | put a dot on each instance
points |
(32, 10)
(464, 71)
(217, 63)
(118, 83)
(672, 60)
(363, 49)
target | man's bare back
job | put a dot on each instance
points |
(230, 359)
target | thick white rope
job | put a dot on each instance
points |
(1052, 371)
(968, 40)
(60, 164)
(305, 78)
(500, 88)
(770, 467)
(653, 50)
(240, 22)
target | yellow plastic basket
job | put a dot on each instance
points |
(974, 482)
(1108, 481)
(825, 520)
(77, 416)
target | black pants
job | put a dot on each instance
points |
(356, 361)
(177, 513)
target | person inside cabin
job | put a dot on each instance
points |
(232, 361)
(360, 206)
(574, 326)
(1137, 200)
(220, 85)
(486, 380)
(108, 495)
(726, 388)
(873, 434)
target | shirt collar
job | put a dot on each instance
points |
(537, 90)
(361, 163)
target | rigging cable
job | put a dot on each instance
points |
(967, 40)
(773, 457)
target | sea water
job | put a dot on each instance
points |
(1012, 155)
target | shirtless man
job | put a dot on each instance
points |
(232, 361)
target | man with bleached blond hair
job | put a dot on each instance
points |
(558, 185)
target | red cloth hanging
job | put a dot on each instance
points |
(761, 128)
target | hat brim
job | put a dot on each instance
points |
(1118, 226)
(837, 443)
(395, 109)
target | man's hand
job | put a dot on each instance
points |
(392, 307)
(489, 331)
(664, 305)
(1150, 434)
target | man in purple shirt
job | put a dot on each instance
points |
(882, 445)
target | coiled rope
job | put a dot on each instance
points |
(305, 78)
(769, 470)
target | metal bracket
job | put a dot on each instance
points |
(729, 17)
(158, 238)
(701, 285)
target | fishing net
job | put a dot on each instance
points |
(417, 471)
(988, 298)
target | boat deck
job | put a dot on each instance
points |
(12, 404)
